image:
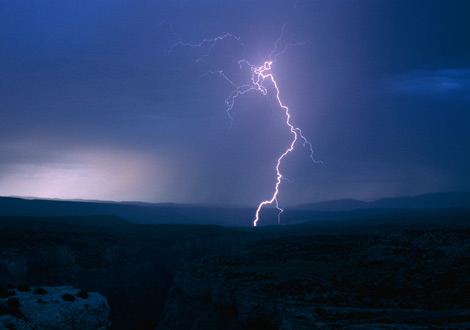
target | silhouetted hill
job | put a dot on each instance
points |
(91, 220)
(335, 205)
(235, 216)
(136, 212)
(426, 201)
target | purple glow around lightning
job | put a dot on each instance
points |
(259, 75)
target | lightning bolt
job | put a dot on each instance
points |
(259, 76)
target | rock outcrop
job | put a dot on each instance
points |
(413, 279)
(131, 265)
(53, 308)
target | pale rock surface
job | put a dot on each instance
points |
(51, 311)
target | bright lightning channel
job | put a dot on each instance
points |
(259, 75)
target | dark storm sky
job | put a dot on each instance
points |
(93, 107)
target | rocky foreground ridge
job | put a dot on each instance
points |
(404, 279)
(50, 308)
(131, 265)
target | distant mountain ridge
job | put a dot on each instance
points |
(425, 201)
(227, 215)
(132, 211)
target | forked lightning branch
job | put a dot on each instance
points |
(261, 76)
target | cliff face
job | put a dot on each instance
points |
(49, 308)
(400, 280)
(204, 296)
(132, 265)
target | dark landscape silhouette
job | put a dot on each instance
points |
(367, 268)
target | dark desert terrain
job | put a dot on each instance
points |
(357, 269)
